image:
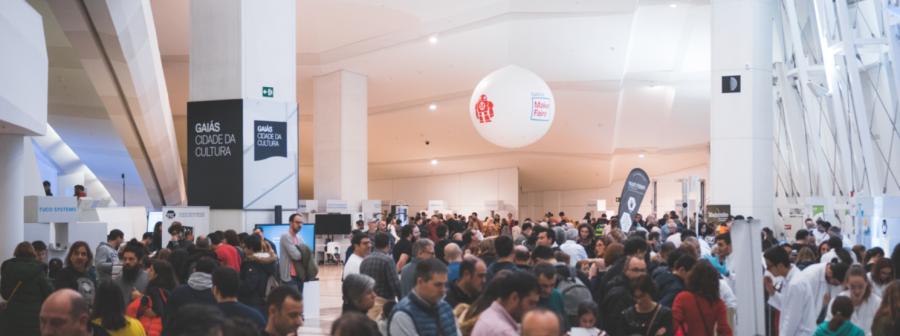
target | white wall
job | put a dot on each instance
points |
(131, 220)
(463, 192)
(574, 202)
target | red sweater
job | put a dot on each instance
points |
(685, 314)
(229, 256)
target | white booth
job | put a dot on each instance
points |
(58, 221)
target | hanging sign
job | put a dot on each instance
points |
(512, 107)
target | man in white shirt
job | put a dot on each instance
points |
(821, 231)
(796, 301)
(575, 251)
(824, 279)
(673, 237)
(813, 231)
(362, 246)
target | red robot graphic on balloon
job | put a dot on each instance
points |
(484, 109)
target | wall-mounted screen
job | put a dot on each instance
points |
(273, 233)
(333, 224)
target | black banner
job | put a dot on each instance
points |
(215, 154)
(632, 194)
(271, 139)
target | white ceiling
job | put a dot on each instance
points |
(629, 77)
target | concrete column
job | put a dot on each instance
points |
(741, 170)
(741, 155)
(23, 111)
(12, 200)
(340, 170)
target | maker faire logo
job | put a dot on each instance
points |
(540, 107)
(484, 109)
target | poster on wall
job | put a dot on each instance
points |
(194, 219)
(632, 195)
(250, 143)
(214, 154)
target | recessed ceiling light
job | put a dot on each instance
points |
(434, 162)
(641, 156)
(432, 39)
(432, 107)
(673, 5)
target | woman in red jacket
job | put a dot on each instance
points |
(699, 311)
(149, 308)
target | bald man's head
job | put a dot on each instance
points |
(452, 253)
(540, 322)
(64, 312)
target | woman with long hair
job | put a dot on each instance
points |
(163, 254)
(109, 312)
(865, 305)
(645, 317)
(157, 236)
(806, 257)
(149, 308)
(24, 285)
(872, 256)
(823, 249)
(881, 275)
(699, 311)
(842, 310)
(486, 251)
(78, 275)
(586, 239)
(490, 229)
(615, 235)
(888, 312)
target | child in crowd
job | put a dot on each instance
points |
(587, 320)
(383, 319)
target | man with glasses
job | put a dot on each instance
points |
(422, 249)
(617, 296)
(362, 246)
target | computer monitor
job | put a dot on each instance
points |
(333, 224)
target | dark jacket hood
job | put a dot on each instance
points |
(200, 253)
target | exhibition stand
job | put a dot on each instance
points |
(60, 221)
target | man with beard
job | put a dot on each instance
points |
(133, 280)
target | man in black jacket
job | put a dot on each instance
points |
(617, 296)
(469, 284)
(634, 246)
(201, 250)
(255, 275)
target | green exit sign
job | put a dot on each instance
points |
(268, 92)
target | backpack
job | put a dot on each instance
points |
(574, 293)
(273, 280)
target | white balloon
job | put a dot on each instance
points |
(512, 107)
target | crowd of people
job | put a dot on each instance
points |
(223, 283)
(455, 275)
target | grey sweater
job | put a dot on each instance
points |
(104, 260)
(289, 252)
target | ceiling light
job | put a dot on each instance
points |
(434, 162)
(432, 39)
(432, 107)
(673, 5)
(641, 156)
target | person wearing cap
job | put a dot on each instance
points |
(575, 251)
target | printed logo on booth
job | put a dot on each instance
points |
(540, 108)
(484, 109)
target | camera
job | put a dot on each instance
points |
(427, 142)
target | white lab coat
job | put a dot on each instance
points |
(862, 315)
(730, 266)
(826, 258)
(797, 305)
(726, 294)
(820, 236)
(816, 275)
